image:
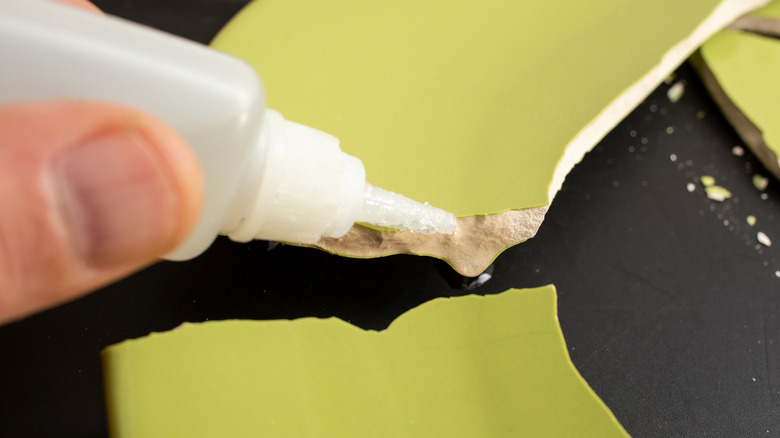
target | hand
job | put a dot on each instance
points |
(89, 193)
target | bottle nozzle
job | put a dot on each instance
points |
(388, 209)
(308, 189)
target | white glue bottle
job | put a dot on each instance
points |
(265, 177)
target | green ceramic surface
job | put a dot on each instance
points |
(746, 66)
(772, 10)
(466, 105)
(473, 366)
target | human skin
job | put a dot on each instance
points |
(91, 192)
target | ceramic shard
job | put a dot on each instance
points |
(739, 70)
(460, 367)
(480, 108)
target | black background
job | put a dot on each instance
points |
(669, 309)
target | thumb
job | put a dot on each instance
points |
(89, 193)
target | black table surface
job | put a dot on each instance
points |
(669, 307)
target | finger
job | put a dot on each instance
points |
(89, 193)
(82, 4)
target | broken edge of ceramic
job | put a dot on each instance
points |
(469, 250)
(616, 111)
(747, 130)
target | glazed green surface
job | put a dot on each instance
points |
(772, 10)
(473, 366)
(746, 67)
(467, 105)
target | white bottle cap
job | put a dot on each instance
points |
(308, 189)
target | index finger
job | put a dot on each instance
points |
(85, 4)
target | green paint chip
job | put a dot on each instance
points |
(717, 193)
(760, 182)
(707, 181)
(471, 366)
